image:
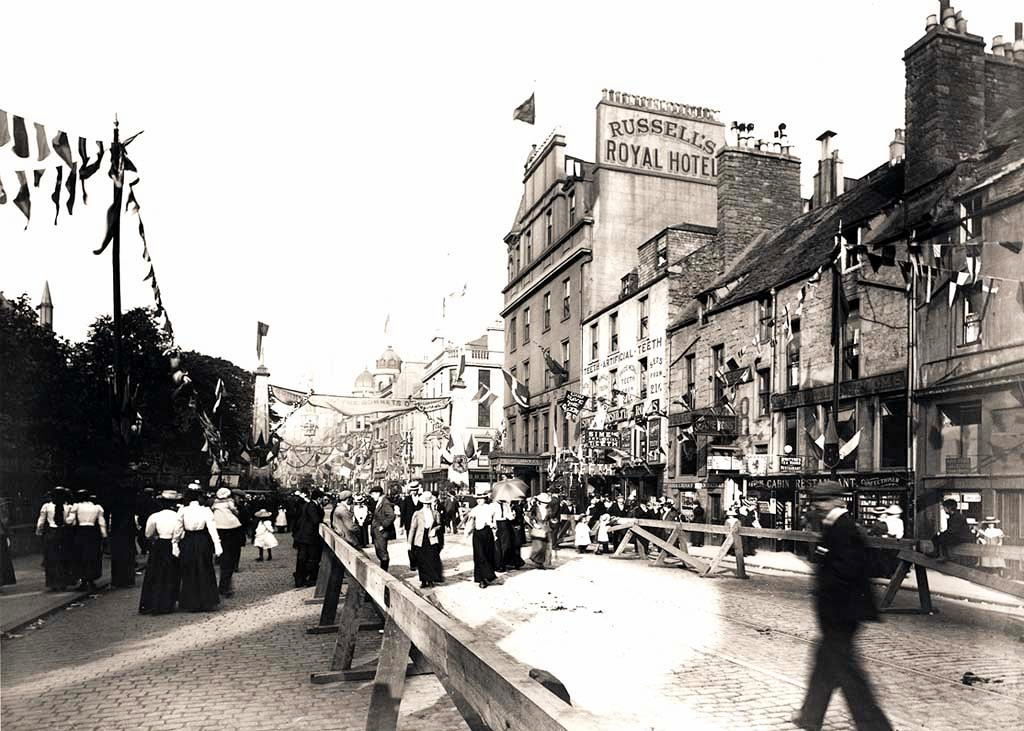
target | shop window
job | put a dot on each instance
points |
(959, 430)
(789, 434)
(644, 302)
(718, 366)
(764, 392)
(851, 341)
(595, 347)
(972, 304)
(526, 325)
(643, 378)
(566, 297)
(613, 332)
(793, 357)
(764, 320)
(846, 427)
(691, 381)
(894, 432)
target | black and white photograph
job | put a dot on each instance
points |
(455, 366)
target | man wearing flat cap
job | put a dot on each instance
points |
(342, 519)
(843, 600)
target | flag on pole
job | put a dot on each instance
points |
(526, 112)
(557, 369)
(520, 393)
(218, 391)
(847, 448)
(261, 331)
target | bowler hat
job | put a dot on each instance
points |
(826, 489)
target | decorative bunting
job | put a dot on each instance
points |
(63, 148)
(56, 193)
(5, 134)
(23, 200)
(20, 137)
(1014, 246)
(42, 146)
(37, 177)
(72, 187)
(218, 391)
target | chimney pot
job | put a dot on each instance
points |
(931, 22)
(961, 25)
(943, 6)
(949, 22)
(997, 45)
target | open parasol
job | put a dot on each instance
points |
(512, 489)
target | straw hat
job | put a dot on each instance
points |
(426, 498)
(544, 498)
(894, 510)
(262, 514)
(991, 519)
(170, 495)
(224, 493)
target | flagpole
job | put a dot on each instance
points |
(836, 346)
(115, 154)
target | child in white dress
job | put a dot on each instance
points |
(265, 536)
(603, 539)
(582, 539)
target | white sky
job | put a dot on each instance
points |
(320, 165)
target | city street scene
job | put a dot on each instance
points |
(573, 367)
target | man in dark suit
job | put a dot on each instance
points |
(957, 530)
(843, 599)
(308, 540)
(382, 521)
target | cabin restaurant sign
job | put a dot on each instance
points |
(659, 137)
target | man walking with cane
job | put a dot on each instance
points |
(843, 600)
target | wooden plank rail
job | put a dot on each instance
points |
(485, 683)
(905, 549)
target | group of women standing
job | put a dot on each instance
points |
(183, 544)
(73, 531)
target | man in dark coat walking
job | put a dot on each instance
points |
(843, 599)
(308, 541)
(382, 521)
(958, 530)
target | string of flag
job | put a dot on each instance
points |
(31, 150)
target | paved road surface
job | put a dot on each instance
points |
(646, 648)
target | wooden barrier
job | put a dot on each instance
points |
(489, 688)
(635, 531)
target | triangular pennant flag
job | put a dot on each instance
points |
(42, 146)
(973, 247)
(23, 200)
(937, 251)
(219, 393)
(5, 134)
(20, 137)
(520, 393)
(111, 224)
(88, 170)
(875, 261)
(847, 449)
(928, 289)
(72, 187)
(526, 112)
(973, 267)
(206, 445)
(905, 270)
(470, 447)
(56, 193)
(952, 292)
(37, 177)
(1014, 246)
(63, 148)
(830, 443)
(151, 275)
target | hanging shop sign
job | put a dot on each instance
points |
(852, 483)
(601, 439)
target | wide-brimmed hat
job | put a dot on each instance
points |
(426, 498)
(223, 493)
(894, 510)
(543, 498)
(481, 491)
(262, 514)
(344, 495)
(827, 489)
(170, 495)
(991, 519)
(605, 517)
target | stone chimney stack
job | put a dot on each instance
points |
(758, 191)
(829, 182)
(45, 308)
(945, 97)
(898, 147)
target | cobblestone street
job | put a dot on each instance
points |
(641, 647)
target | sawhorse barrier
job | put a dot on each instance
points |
(490, 689)
(638, 530)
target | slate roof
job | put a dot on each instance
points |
(797, 249)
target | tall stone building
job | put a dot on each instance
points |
(575, 235)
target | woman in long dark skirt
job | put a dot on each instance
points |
(90, 530)
(426, 539)
(6, 566)
(162, 582)
(198, 545)
(57, 535)
(508, 543)
(480, 523)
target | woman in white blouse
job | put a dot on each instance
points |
(162, 582)
(56, 517)
(481, 524)
(198, 543)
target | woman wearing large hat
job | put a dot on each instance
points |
(543, 524)
(198, 543)
(162, 582)
(992, 535)
(426, 539)
(481, 524)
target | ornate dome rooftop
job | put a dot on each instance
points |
(365, 381)
(389, 360)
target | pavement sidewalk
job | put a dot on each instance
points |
(29, 600)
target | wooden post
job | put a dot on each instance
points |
(329, 611)
(672, 541)
(894, 583)
(348, 627)
(626, 535)
(722, 550)
(737, 541)
(389, 682)
(320, 591)
(924, 594)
